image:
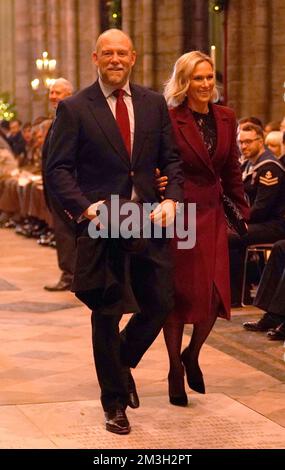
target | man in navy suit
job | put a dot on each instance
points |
(90, 160)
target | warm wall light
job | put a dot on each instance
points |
(213, 55)
(219, 5)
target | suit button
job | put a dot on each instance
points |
(132, 173)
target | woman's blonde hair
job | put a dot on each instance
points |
(177, 86)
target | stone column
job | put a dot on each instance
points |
(169, 39)
(88, 31)
(148, 43)
(68, 40)
(127, 7)
(258, 59)
(7, 47)
(195, 25)
(276, 60)
(156, 29)
(53, 36)
(234, 56)
(37, 15)
(256, 72)
(22, 59)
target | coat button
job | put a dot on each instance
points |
(132, 173)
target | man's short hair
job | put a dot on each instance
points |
(65, 83)
(252, 120)
(252, 127)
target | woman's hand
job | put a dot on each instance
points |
(160, 181)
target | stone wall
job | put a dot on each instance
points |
(162, 30)
(255, 58)
(64, 28)
(156, 28)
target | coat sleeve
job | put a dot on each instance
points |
(170, 162)
(61, 162)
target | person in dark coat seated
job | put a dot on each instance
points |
(270, 296)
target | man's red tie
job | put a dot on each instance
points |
(122, 118)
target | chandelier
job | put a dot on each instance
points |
(45, 70)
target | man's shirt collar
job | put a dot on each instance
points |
(108, 90)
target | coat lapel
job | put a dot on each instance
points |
(105, 119)
(222, 125)
(191, 134)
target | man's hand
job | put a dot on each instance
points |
(91, 212)
(164, 213)
(160, 181)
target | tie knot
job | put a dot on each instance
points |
(119, 93)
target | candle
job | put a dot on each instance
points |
(213, 55)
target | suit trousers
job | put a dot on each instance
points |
(152, 284)
(270, 295)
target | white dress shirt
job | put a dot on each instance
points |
(127, 97)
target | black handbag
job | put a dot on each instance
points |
(233, 216)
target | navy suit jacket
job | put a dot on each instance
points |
(87, 158)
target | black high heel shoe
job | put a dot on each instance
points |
(193, 374)
(176, 384)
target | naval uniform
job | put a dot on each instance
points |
(264, 184)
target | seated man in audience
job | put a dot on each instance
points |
(16, 139)
(264, 183)
(27, 133)
(271, 126)
(271, 296)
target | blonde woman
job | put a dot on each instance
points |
(206, 136)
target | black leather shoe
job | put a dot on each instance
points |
(60, 286)
(178, 401)
(117, 421)
(277, 334)
(264, 324)
(133, 401)
(193, 373)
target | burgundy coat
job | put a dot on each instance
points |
(197, 269)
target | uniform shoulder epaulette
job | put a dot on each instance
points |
(268, 179)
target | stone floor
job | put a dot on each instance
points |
(49, 394)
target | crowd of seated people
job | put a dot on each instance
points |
(22, 204)
(25, 200)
